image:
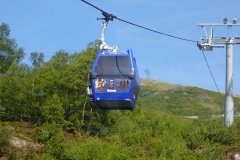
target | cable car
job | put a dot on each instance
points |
(114, 79)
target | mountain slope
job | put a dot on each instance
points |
(183, 100)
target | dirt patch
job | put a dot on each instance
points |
(24, 144)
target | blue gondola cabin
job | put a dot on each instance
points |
(114, 81)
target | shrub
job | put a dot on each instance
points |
(5, 135)
(93, 148)
(51, 136)
(168, 146)
(215, 131)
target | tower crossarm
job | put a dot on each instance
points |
(217, 24)
(222, 41)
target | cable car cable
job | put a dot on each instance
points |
(155, 31)
(111, 17)
(211, 74)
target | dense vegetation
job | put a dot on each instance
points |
(46, 103)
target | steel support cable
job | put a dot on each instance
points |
(212, 74)
(155, 31)
(111, 17)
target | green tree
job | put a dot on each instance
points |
(9, 50)
(74, 82)
(52, 110)
(37, 59)
(14, 91)
(60, 60)
(4, 30)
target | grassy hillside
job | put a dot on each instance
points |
(183, 100)
(156, 129)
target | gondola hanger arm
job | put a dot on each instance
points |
(107, 17)
(103, 45)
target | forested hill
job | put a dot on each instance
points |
(44, 114)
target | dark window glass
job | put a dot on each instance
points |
(113, 66)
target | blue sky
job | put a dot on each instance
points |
(48, 26)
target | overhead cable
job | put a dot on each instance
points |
(111, 17)
(212, 75)
(156, 31)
